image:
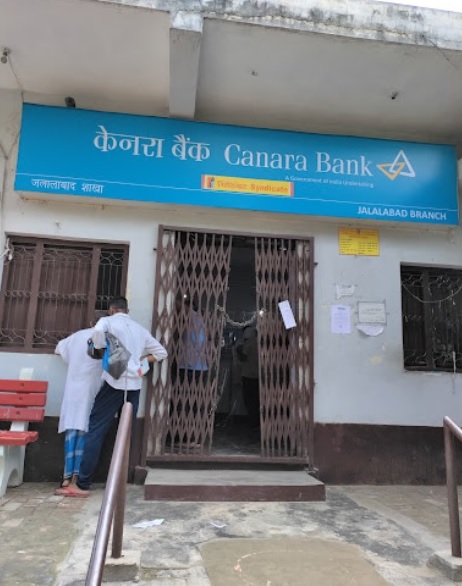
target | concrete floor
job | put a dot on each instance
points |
(361, 535)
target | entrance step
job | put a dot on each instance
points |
(232, 485)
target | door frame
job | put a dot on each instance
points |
(144, 458)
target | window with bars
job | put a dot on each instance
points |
(51, 288)
(432, 318)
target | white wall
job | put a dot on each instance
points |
(361, 379)
(358, 379)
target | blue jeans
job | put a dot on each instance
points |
(108, 402)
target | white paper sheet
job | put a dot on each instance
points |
(340, 319)
(145, 524)
(287, 315)
(344, 290)
(370, 329)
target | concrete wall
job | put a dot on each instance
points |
(382, 21)
(358, 379)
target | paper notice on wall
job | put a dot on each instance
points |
(344, 290)
(287, 315)
(358, 241)
(372, 313)
(340, 319)
(370, 329)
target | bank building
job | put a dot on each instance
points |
(285, 170)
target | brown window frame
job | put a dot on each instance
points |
(71, 276)
(431, 300)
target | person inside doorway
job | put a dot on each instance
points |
(192, 357)
(189, 372)
(247, 351)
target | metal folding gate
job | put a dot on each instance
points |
(284, 273)
(189, 308)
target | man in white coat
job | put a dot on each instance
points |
(83, 382)
(114, 392)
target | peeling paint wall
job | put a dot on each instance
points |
(359, 19)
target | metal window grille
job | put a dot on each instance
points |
(50, 289)
(432, 318)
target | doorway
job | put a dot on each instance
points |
(237, 430)
(215, 398)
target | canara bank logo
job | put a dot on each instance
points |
(400, 166)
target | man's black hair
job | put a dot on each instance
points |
(119, 303)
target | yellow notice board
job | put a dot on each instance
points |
(358, 241)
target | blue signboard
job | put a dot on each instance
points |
(138, 158)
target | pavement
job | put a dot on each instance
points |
(361, 535)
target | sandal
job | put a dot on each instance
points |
(70, 491)
(65, 483)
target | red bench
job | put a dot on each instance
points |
(21, 402)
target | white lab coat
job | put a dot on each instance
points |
(82, 383)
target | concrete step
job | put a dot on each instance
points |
(232, 485)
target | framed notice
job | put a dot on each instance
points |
(371, 313)
(358, 241)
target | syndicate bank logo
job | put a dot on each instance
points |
(400, 166)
